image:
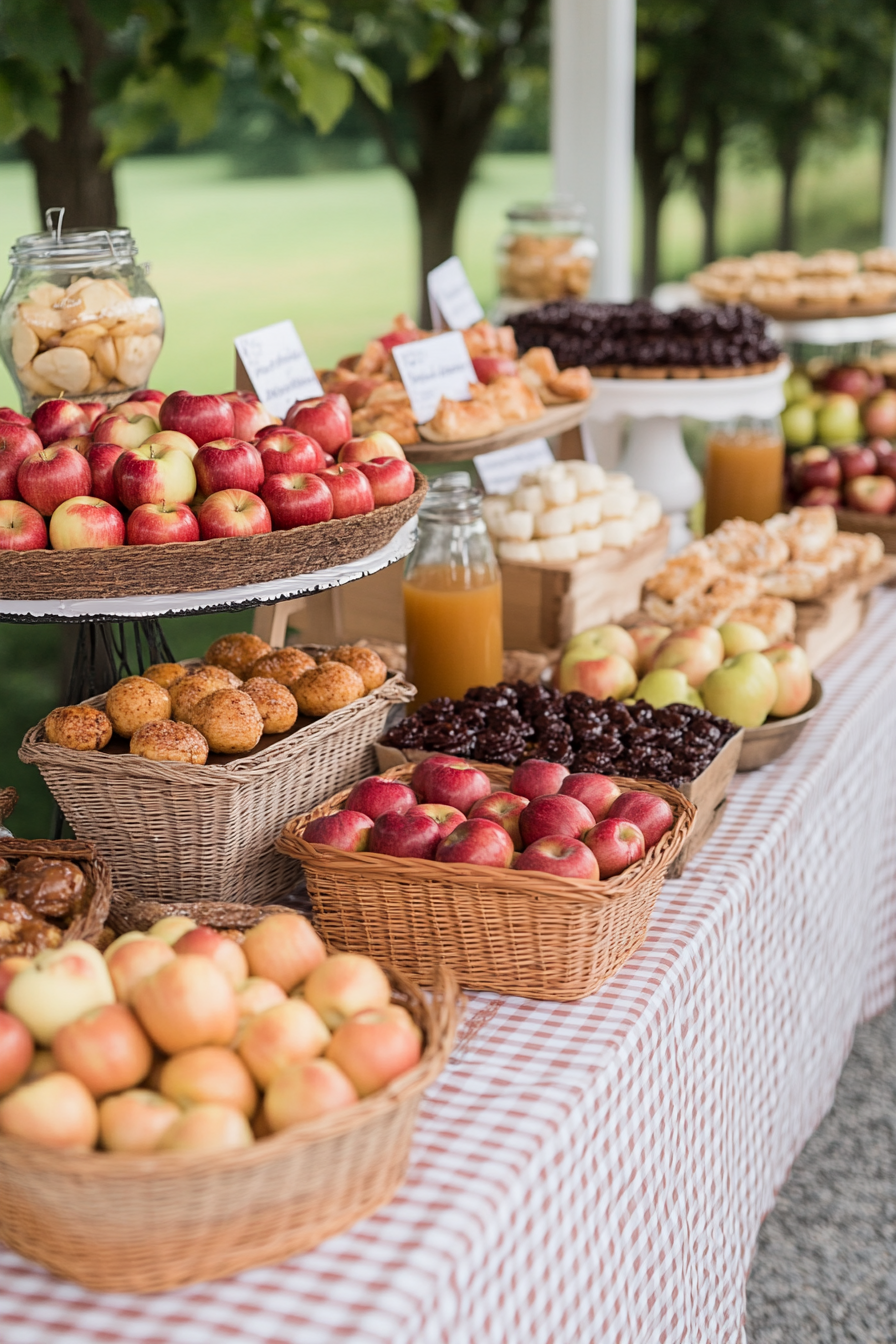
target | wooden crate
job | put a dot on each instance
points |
(884, 524)
(825, 625)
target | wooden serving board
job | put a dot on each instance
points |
(555, 420)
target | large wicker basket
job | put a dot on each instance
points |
(530, 934)
(121, 1223)
(177, 832)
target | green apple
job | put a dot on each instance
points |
(798, 424)
(603, 639)
(742, 690)
(739, 636)
(667, 686)
(797, 387)
(838, 420)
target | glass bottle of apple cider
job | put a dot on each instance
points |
(452, 595)
(744, 472)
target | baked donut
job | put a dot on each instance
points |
(186, 693)
(283, 665)
(80, 727)
(368, 665)
(325, 688)
(165, 674)
(237, 653)
(229, 721)
(275, 703)
(135, 701)
(170, 741)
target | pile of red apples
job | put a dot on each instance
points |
(548, 821)
(180, 1039)
(160, 469)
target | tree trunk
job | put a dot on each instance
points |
(788, 161)
(708, 186)
(653, 164)
(68, 169)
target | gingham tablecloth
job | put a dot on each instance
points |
(598, 1171)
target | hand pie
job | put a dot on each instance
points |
(455, 421)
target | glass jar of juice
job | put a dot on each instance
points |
(452, 595)
(744, 472)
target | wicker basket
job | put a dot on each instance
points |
(128, 913)
(530, 934)
(197, 566)
(177, 832)
(121, 1223)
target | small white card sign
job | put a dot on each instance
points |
(437, 367)
(278, 368)
(451, 299)
(500, 472)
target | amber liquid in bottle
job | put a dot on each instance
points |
(744, 474)
(453, 627)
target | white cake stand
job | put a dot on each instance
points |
(655, 456)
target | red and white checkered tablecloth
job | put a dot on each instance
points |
(598, 1171)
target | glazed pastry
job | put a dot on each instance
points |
(229, 722)
(165, 674)
(275, 703)
(52, 888)
(135, 701)
(325, 688)
(368, 665)
(80, 727)
(282, 665)
(23, 933)
(186, 694)
(170, 741)
(237, 653)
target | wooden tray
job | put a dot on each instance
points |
(771, 739)
(554, 421)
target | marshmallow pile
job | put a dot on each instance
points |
(568, 510)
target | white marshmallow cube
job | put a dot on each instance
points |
(589, 540)
(617, 479)
(618, 532)
(528, 497)
(587, 512)
(493, 508)
(588, 476)
(517, 525)
(519, 550)
(559, 490)
(619, 502)
(554, 522)
(559, 548)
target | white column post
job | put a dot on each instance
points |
(592, 126)
(889, 221)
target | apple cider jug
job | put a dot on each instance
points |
(452, 595)
(78, 318)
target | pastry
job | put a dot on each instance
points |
(800, 580)
(24, 933)
(570, 385)
(165, 674)
(866, 548)
(368, 665)
(806, 531)
(283, 665)
(485, 339)
(455, 421)
(229, 721)
(186, 693)
(53, 888)
(540, 359)
(880, 259)
(237, 653)
(775, 616)
(135, 701)
(275, 703)
(692, 570)
(714, 607)
(748, 547)
(832, 261)
(170, 741)
(325, 688)
(80, 727)
(510, 396)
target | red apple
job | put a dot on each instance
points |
(446, 818)
(457, 784)
(616, 844)
(59, 419)
(16, 1051)
(286, 450)
(286, 1034)
(477, 841)
(21, 527)
(16, 443)
(85, 523)
(228, 464)
(169, 438)
(851, 379)
(57, 1111)
(856, 460)
(106, 1049)
(350, 489)
(233, 513)
(187, 1002)
(393, 338)
(80, 443)
(201, 418)
(489, 367)
(534, 778)
(818, 470)
(374, 796)
(345, 984)
(597, 792)
(390, 480)
(228, 956)
(249, 416)
(409, 835)
(504, 809)
(8, 415)
(159, 524)
(150, 473)
(296, 500)
(128, 425)
(283, 948)
(651, 814)
(871, 494)
(423, 768)
(554, 814)
(376, 1046)
(558, 855)
(358, 390)
(371, 447)
(886, 458)
(47, 478)
(305, 1091)
(148, 394)
(101, 458)
(327, 419)
(820, 496)
(345, 830)
(329, 459)
(879, 415)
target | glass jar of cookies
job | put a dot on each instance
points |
(548, 252)
(78, 318)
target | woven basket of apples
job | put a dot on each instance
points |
(529, 881)
(185, 1105)
(189, 493)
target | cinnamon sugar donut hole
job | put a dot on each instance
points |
(275, 703)
(135, 701)
(166, 740)
(368, 665)
(165, 674)
(229, 722)
(79, 727)
(237, 653)
(186, 693)
(283, 665)
(325, 688)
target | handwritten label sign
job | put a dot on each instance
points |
(437, 367)
(451, 299)
(500, 472)
(279, 370)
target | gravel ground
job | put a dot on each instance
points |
(825, 1265)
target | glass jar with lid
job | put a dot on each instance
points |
(78, 318)
(452, 594)
(548, 252)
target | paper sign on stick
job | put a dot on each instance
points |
(500, 472)
(278, 368)
(451, 299)
(437, 367)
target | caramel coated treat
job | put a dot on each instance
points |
(186, 693)
(165, 674)
(368, 664)
(49, 887)
(80, 727)
(170, 741)
(23, 933)
(135, 701)
(325, 688)
(275, 703)
(237, 653)
(283, 665)
(229, 721)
